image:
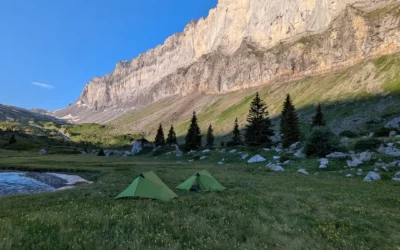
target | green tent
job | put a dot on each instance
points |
(202, 180)
(148, 185)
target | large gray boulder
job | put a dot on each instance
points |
(394, 123)
(389, 150)
(275, 167)
(302, 171)
(43, 152)
(256, 159)
(372, 176)
(300, 153)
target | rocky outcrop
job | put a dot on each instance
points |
(245, 43)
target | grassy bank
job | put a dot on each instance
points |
(259, 210)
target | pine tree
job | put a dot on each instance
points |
(259, 127)
(12, 140)
(193, 137)
(237, 137)
(318, 119)
(289, 124)
(171, 136)
(210, 137)
(101, 153)
(159, 140)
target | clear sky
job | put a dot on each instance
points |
(49, 49)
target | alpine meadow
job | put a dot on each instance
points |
(263, 125)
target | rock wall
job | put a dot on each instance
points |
(244, 43)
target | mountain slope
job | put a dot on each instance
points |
(350, 99)
(11, 113)
(242, 44)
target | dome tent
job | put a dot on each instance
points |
(203, 181)
(148, 185)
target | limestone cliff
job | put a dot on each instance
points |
(244, 43)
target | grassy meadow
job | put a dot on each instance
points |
(259, 210)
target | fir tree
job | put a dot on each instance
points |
(12, 140)
(259, 127)
(171, 136)
(193, 137)
(159, 140)
(101, 153)
(210, 137)
(237, 137)
(289, 124)
(318, 119)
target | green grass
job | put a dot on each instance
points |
(259, 210)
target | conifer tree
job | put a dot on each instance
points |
(160, 139)
(237, 137)
(101, 152)
(12, 140)
(193, 137)
(171, 136)
(259, 127)
(318, 119)
(290, 130)
(210, 137)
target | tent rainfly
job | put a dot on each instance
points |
(148, 185)
(203, 181)
(256, 159)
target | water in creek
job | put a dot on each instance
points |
(16, 183)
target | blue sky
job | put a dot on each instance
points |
(50, 49)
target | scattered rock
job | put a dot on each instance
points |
(337, 155)
(392, 133)
(300, 154)
(276, 157)
(256, 159)
(396, 179)
(221, 163)
(324, 161)
(233, 151)
(359, 171)
(372, 176)
(203, 157)
(206, 151)
(344, 140)
(43, 152)
(179, 153)
(365, 156)
(276, 138)
(244, 156)
(275, 167)
(371, 134)
(190, 160)
(323, 166)
(385, 168)
(395, 123)
(286, 162)
(349, 175)
(389, 150)
(376, 169)
(302, 171)
(191, 152)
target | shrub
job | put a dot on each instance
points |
(383, 132)
(367, 144)
(322, 142)
(12, 140)
(349, 134)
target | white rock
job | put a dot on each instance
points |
(372, 176)
(71, 179)
(256, 159)
(349, 175)
(43, 152)
(286, 162)
(397, 175)
(324, 161)
(365, 156)
(337, 155)
(276, 168)
(371, 134)
(395, 123)
(389, 150)
(233, 151)
(302, 171)
(203, 157)
(354, 162)
(206, 151)
(244, 156)
(221, 163)
(276, 157)
(300, 154)
(392, 133)
(266, 149)
(376, 169)
(323, 166)
(179, 153)
(191, 152)
(190, 160)
(385, 168)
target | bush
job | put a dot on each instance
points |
(383, 132)
(349, 134)
(12, 140)
(367, 144)
(322, 142)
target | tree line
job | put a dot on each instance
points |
(257, 132)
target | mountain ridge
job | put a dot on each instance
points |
(352, 32)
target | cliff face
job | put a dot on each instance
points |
(244, 43)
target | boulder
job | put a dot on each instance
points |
(276, 157)
(221, 163)
(397, 175)
(233, 151)
(392, 133)
(244, 156)
(43, 152)
(323, 166)
(324, 161)
(286, 162)
(300, 154)
(192, 152)
(394, 123)
(359, 171)
(337, 155)
(372, 176)
(203, 157)
(344, 140)
(354, 162)
(276, 138)
(385, 168)
(371, 134)
(206, 151)
(376, 169)
(302, 171)
(365, 156)
(190, 160)
(349, 175)
(294, 146)
(389, 150)
(179, 153)
(256, 159)
(275, 167)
